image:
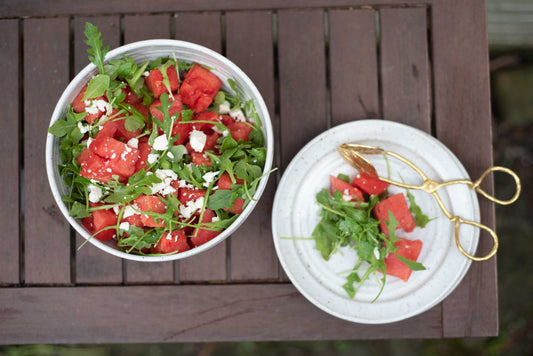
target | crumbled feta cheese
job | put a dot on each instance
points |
(209, 177)
(224, 108)
(152, 157)
(166, 176)
(130, 211)
(124, 226)
(170, 155)
(95, 106)
(346, 196)
(225, 133)
(95, 193)
(376, 253)
(146, 73)
(83, 128)
(215, 218)
(197, 140)
(237, 115)
(116, 209)
(161, 143)
(183, 184)
(133, 142)
(89, 141)
(192, 206)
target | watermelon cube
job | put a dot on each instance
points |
(199, 88)
(410, 249)
(398, 206)
(201, 236)
(369, 184)
(155, 84)
(350, 192)
(176, 241)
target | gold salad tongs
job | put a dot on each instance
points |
(353, 154)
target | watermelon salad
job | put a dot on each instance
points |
(157, 156)
(360, 213)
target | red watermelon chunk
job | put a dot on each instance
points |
(199, 158)
(398, 206)
(345, 188)
(120, 157)
(201, 236)
(410, 249)
(199, 88)
(144, 150)
(205, 116)
(94, 167)
(155, 84)
(368, 184)
(153, 204)
(98, 220)
(224, 183)
(79, 106)
(186, 195)
(176, 241)
(240, 130)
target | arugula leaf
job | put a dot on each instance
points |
(96, 51)
(415, 266)
(343, 177)
(97, 87)
(421, 219)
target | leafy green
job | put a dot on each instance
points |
(421, 219)
(348, 223)
(96, 50)
(343, 177)
(97, 87)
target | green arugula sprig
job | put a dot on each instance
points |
(348, 223)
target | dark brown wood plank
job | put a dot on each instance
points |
(13, 8)
(47, 239)
(462, 92)
(203, 29)
(189, 314)
(404, 67)
(302, 83)
(253, 256)
(353, 65)
(9, 143)
(138, 28)
(92, 264)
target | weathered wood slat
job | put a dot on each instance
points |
(190, 314)
(249, 44)
(302, 65)
(92, 264)
(138, 28)
(9, 144)
(461, 92)
(46, 74)
(405, 67)
(13, 8)
(203, 29)
(353, 65)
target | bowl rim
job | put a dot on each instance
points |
(83, 76)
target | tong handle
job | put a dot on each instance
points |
(458, 221)
(476, 185)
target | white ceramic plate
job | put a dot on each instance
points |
(295, 215)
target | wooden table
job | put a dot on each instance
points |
(317, 64)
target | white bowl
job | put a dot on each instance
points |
(147, 51)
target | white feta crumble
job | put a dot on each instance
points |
(224, 108)
(237, 115)
(161, 143)
(146, 73)
(83, 128)
(95, 106)
(183, 184)
(197, 140)
(376, 253)
(89, 141)
(166, 176)
(152, 157)
(215, 218)
(209, 177)
(95, 193)
(133, 142)
(130, 211)
(192, 206)
(170, 155)
(346, 196)
(124, 226)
